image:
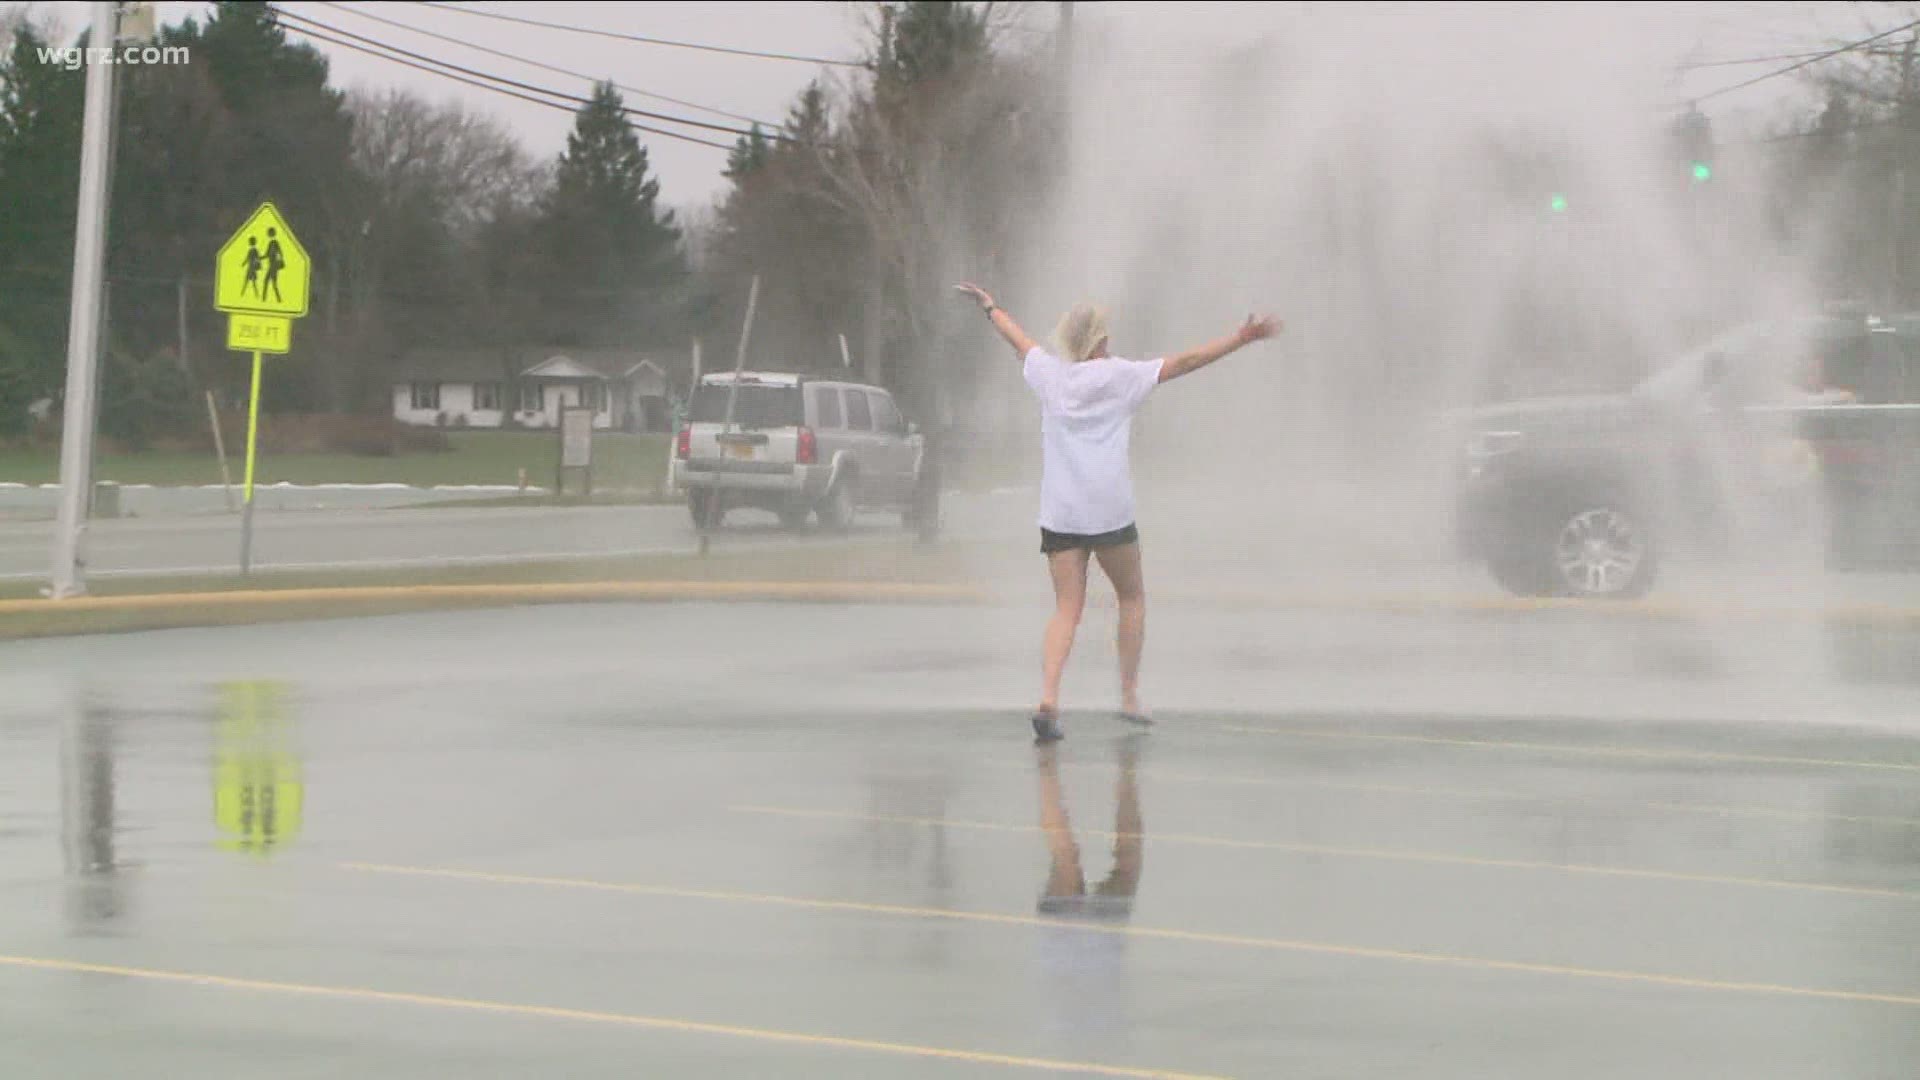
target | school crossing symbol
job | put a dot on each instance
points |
(263, 270)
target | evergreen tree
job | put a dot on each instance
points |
(925, 40)
(749, 153)
(781, 220)
(615, 270)
(41, 107)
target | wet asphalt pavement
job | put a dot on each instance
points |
(802, 841)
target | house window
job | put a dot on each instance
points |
(533, 397)
(486, 396)
(426, 396)
(593, 395)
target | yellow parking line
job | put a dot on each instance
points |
(623, 1019)
(1326, 850)
(1640, 753)
(1197, 937)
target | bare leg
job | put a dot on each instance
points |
(1069, 570)
(1064, 875)
(1128, 833)
(1122, 566)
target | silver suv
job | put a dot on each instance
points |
(798, 446)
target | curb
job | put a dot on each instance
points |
(559, 592)
(1661, 610)
(855, 592)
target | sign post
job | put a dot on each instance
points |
(576, 447)
(260, 280)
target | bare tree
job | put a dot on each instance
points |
(16, 17)
(936, 154)
(442, 159)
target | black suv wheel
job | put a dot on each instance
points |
(1592, 549)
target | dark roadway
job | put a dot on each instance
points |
(801, 841)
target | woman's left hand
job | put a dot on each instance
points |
(977, 293)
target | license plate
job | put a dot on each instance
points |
(744, 451)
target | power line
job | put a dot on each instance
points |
(1700, 64)
(1815, 58)
(617, 36)
(540, 64)
(629, 110)
(489, 86)
(501, 78)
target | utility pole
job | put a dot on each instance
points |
(713, 507)
(180, 322)
(1906, 126)
(84, 320)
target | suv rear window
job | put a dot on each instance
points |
(756, 406)
(886, 417)
(826, 402)
(859, 413)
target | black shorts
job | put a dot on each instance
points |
(1051, 542)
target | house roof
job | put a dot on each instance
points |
(539, 362)
(562, 366)
(456, 365)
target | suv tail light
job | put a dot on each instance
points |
(685, 448)
(808, 450)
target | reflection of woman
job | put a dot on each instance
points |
(1083, 953)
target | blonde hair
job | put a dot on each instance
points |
(1081, 331)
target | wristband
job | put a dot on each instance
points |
(990, 309)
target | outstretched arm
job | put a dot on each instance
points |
(1194, 359)
(1003, 322)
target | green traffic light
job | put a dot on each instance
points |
(1702, 171)
(1559, 203)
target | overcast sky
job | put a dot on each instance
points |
(763, 88)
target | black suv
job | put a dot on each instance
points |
(1767, 432)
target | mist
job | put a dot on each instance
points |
(1383, 178)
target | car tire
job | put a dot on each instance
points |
(836, 511)
(1599, 549)
(1589, 549)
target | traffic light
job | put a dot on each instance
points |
(1559, 203)
(1692, 136)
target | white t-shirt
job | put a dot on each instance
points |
(1086, 423)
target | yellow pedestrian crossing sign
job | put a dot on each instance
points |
(260, 279)
(262, 269)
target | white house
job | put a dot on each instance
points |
(527, 387)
